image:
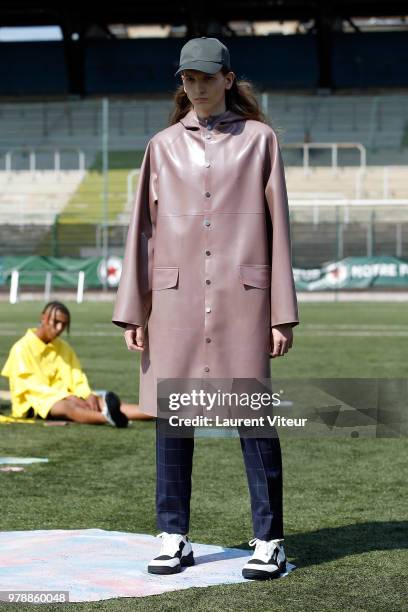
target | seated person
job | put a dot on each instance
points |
(46, 379)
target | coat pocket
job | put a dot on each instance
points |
(256, 275)
(165, 278)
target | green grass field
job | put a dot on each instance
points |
(345, 514)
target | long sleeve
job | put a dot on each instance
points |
(284, 309)
(79, 381)
(27, 386)
(133, 299)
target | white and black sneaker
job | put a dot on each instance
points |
(175, 553)
(268, 560)
(112, 412)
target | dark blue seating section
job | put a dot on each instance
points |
(148, 65)
(32, 68)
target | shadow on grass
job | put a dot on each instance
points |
(323, 545)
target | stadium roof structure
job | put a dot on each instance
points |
(84, 22)
(195, 14)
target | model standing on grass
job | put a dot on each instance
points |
(207, 286)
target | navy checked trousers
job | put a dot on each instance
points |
(263, 463)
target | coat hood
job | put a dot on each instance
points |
(190, 120)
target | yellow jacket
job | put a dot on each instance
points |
(41, 374)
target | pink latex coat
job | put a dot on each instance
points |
(207, 267)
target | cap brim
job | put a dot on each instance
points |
(202, 66)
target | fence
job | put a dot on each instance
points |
(46, 210)
(332, 236)
(47, 278)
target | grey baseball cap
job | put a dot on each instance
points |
(205, 54)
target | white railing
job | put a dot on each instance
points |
(15, 286)
(32, 153)
(348, 202)
(334, 146)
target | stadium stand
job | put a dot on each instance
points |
(36, 197)
(374, 121)
(59, 213)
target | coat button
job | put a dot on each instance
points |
(207, 222)
(206, 369)
(208, 309)
(207, 194)
(208, 136)
(208, 340)
(208, 253)
(208, 282)
(207, 165)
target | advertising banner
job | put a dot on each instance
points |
(348, 273)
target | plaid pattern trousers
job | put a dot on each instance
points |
(263, 464)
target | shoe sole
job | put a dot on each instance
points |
(113, 402)
(163, 570)
(253, 574)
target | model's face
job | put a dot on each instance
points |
(53, 324)
(206, 91)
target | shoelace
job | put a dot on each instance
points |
(170, 544)
(263, 547)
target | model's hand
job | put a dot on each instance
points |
(281, 340)
(80, 402)
(92, 402)
(134, 337)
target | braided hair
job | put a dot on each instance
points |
(54, 307)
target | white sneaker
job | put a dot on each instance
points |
(268, 560)
(175, 553)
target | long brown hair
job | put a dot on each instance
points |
(240, 99)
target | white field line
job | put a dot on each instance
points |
(304, 326)
(306, 330)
